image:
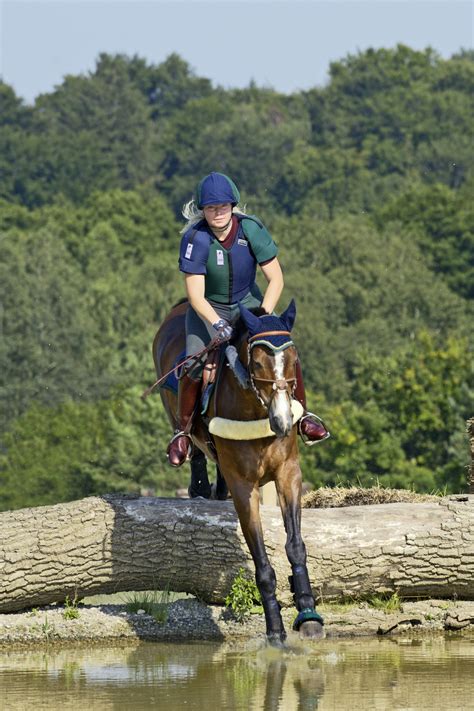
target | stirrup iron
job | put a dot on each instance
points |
(181, 433)
(310, 442)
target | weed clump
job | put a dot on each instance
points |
(244, 597)
(71, 611)
(154, 603)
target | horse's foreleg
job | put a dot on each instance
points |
(247, 502)
(289, 492)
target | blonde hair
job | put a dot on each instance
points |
(192, 214)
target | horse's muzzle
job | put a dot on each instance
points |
(280, 415)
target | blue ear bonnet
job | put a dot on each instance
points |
(275, 342)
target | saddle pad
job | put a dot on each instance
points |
(252, 429)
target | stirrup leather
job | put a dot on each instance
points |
(310, 442)
(181, 433)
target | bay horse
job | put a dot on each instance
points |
(268, 354)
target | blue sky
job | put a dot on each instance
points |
(278, 43)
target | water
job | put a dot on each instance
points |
(382, 674)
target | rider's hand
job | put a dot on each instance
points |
(224, 330)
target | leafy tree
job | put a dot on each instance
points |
(442, 222)
(47, 337)
(403, 424)
(168, 87)
(397, 107)
(356, 288)
(14, 113)
(81, 292)
(242, 138)
(95, 132)
(15, 121)
(366, 186)
(79, 449)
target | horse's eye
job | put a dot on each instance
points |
(257, 365)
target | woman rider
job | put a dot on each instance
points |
(220, 250)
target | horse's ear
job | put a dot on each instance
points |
(251, 321)
(288, 317)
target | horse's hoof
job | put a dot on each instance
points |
(221, 491)
(277, 640)
(311, 630)
(309, 624)
(204, 491)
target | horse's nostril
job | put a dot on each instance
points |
(280, 425)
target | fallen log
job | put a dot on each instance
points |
(115, 543)
(470, 434)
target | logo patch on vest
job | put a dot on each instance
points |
(189, 250)
(243, 242)
(220, 257)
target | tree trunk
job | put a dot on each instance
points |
(116, 543)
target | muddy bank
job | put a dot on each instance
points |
(190, 620)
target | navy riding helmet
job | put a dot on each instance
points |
(216, 189)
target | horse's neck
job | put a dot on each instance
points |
(251, 400)
(232, 400)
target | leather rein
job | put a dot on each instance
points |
(215, 343)
(278, 384)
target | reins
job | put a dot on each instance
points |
(194, 356)
(277, 384)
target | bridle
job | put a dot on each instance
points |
(278, 384)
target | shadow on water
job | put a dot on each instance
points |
(363, 674)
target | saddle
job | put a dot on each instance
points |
(212, 368)
(210, 376)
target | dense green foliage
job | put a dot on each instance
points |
(366, 185)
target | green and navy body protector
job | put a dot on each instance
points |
(229, 273)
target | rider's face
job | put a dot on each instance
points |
(218, 216)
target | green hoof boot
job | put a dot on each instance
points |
(307, 615)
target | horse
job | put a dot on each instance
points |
(264, 410)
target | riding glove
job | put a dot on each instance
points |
(224, 330)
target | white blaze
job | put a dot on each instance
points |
(281, 404)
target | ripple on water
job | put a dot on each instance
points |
(367, 673)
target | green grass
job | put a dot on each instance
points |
(338, 605)
(387, 603)
(154, 603)
(70, 611)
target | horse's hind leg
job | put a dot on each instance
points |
(247, 502)
(221, 486)
(199, 485)
(308, 621)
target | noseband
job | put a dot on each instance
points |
(278, 384)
